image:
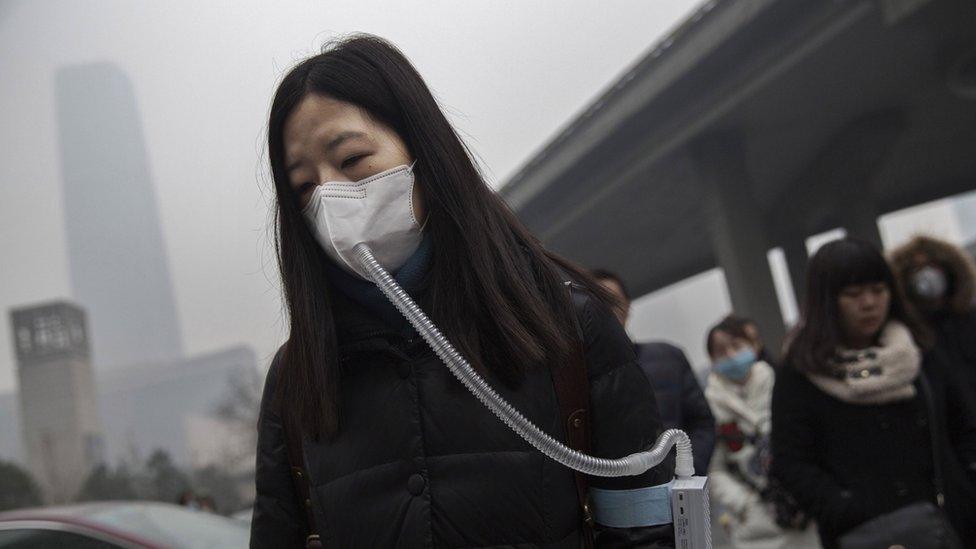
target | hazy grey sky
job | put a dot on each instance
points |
(509, 73)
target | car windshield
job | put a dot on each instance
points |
(174, 526)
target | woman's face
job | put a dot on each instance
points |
(863, 311)
(725, 345)
(330, 140)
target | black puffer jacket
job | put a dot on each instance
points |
(679, 397)
(848, 463)
(956, 333)
(419, 462)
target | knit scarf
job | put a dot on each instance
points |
(876, 375)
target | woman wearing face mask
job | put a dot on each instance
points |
(395, 451)
(856, 406)
(739, 391)
(940, 283)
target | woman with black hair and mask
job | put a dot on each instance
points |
(857, 404)
(392, 449)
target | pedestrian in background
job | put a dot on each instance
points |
(939, 282)
(187, 498)
(852, 424)
(207, 503)
(679, 396)
(739, 391)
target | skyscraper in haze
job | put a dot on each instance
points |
(116, 252)
(59, 412)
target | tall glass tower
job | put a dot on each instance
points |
(117, 256)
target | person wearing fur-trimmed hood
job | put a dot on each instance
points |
(939, 280)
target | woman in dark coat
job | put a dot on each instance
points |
(396, 452)
(851, 432)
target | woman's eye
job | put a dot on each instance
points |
(352, 161)
(305, 188)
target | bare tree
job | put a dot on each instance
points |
(239, 408)
(17, 487)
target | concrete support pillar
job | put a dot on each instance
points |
(797, 258)
(860, 219)
(738, 233)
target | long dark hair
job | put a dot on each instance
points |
(494, 291)
(835, 265)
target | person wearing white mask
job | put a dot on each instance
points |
(364, 438)
(939, 280)
(739, 391)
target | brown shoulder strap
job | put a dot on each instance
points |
(296, 455)
(299, 476)
(573, 394)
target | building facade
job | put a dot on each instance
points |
(58, 404)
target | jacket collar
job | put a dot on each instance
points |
(355, 323)
(364, 296)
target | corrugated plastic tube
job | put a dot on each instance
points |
(634, 464)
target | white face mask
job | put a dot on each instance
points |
(930, 283)
(376, 211)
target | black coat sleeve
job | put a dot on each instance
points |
(961, 422)
(624, 418)
(697, 417)
(278, 519)
(794, 439)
